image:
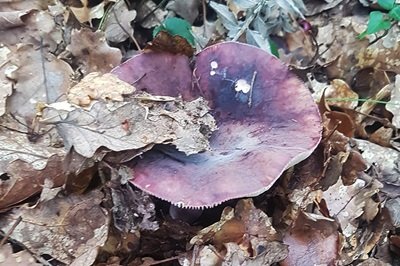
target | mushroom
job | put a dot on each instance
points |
(267, 122)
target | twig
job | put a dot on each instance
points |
(204, 6)
(128, 33)
(162, 261)
(251, 88)
(152, 11)
(9, 232)
(44, 70)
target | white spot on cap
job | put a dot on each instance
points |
(214, 64)
(212, 72)
(242, 85)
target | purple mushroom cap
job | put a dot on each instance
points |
(267, 121)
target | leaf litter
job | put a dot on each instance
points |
(71, 135)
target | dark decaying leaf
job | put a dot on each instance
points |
(243, 236)
(25, 164)
(313, 240)
(165, 42)
(267, 122)
(70, 229)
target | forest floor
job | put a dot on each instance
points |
(291, 156)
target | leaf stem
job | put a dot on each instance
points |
(358, 100)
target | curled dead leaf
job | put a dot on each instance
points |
(94, 86)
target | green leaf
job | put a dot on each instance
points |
(377, 22)
(395, 13)
(386, 4)
(176, 26)
(274, 48)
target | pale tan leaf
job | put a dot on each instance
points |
(95, 86)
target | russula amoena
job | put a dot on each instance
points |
(267, 122)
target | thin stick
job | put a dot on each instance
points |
(203, 3)
(4, 240)
(162, 261)
(251, 88)
(128, 33)
(44, 70)
(152, 11)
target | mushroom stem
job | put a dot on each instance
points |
(186, 215)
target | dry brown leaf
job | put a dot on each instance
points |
(92, 52)
(341, 122)
(352, 167)
(301, 49)
(27, 159)
(11, 19)
(25, 181)
(13, 5)
(40, 77)
(347, 203)
(95, 86)
(117, 25)
(6, 73)
(386, 161)
(382, 136)
(341, 51)
(21, 258)
(342, 92)
(315, 7)
(360, 244)
(85, 12)
(36, 27)
(70, 229)
(243, 236)
(339, 37)
(134, 125)
(393, 105)
(393, 206)
(15, 145)
(313, 240)
(373, 262)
